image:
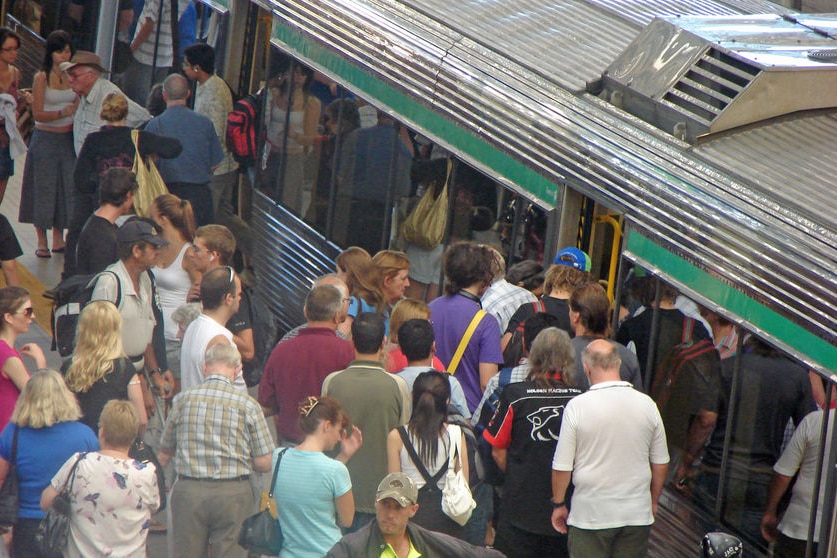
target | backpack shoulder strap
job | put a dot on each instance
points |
(429, 479)
(688, 328)
(463, 343)
(99, 275)
(539, 306)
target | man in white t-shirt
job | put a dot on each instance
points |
(220, 294)
(613, 444)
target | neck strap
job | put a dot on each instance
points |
(470, 296)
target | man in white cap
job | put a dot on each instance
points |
(392, 534)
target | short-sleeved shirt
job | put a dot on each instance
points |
(145, 52)
(801, 456)
(113, 500)
(40, 453)
(307, 484)
(502, 299)
(557, 307)
(201, 148)
(213, 99)
(457, 395)
(114, 385)
(451, 316)
(87, 118)
(296, 369)
(377, 402)
(97, 246)
(135, 307)
(629, 370)
(216, 431)
(527, 424)
(609, 437)
(8, 390)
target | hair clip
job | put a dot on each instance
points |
(309, 405)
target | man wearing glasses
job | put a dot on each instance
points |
(220, 295)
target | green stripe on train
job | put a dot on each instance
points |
(761, 317)
(543, 189)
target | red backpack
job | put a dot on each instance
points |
(242, 128)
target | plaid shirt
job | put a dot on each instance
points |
(216, 431)
(502, 299)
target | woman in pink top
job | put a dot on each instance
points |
(16, 309)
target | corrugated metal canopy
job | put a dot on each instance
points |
(777, 268)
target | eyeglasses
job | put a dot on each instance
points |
(28, 311)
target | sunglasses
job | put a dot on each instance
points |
(28, 311)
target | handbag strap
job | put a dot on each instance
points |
(71, 478)
(135, 139)
(455, 434)
(276, 472)
(429, 480)
(463, 343)
(14, 446)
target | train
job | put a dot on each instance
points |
(689, 139)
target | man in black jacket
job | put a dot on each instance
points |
(391, 534)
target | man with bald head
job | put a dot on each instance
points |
(613, 445)
(188, 175)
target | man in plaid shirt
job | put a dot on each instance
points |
(217, 436)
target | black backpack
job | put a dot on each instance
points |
(514, 350)
(491, 472)
(69, 299)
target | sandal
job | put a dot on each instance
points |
(59, 250)
(43, 253)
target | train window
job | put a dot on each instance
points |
(730, 403)
(354, 173)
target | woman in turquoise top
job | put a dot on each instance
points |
(313, 491)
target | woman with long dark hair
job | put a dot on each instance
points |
(48, 175)
(422, 448)
(10, 85)
(313, 492)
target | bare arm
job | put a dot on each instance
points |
(504, 342)
(487, 370)
(16, 372)
(463, 459)
(700, 429)
(346, 327)
(143, 33)
(394, 445)
(311, 120)
(770, 520)
(263, 463)
(164, 455)
(136, 398)
(48, 497)
(345, 505)
(5, 467)
(658, 479)
(500, 455)
(560, 483)
(244, 342)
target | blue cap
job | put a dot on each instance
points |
(573, 257)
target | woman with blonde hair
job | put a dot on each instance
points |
(43, 434)
(17, 315)
(112, 146)
(356, 268)
(174, 272)
(405, 309)
(99, 370)
(113, 496)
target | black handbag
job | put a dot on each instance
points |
(143, 453)
(54, 529)
(261, 532)
(9, 491)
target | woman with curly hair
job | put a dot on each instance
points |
(99, 370)
(43, 433)
(356, 268)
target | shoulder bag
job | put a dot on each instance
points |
(261, 533)
(9, 491)
(425, 225)
(457, 502)
(151, 184)
(463, 343)
(54, 530)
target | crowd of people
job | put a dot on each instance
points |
(508, 378)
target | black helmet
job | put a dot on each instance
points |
(721, 545)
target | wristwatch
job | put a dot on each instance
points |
(560, 504)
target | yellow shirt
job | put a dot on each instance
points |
(389, 552)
